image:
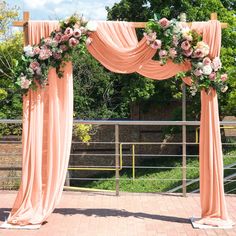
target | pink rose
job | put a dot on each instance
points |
(38, 71)
(224, 77)
(212, 76)
(34, 65)
(188, 53)
(36, 50)
(57, 55)
(63, 47)
(58, 37)
(156, 44)
(206, 61)
(82, 29)
(198, 53)
(48, 41)
(203, 47)
(73, 42)
(198, 72)
(185, 45)
(65, 37)
(45, 53)
(88, 41)
(163, 53)
(24, 82)
(164, 23)
(216, 64)
(69, 31)
(151, 37)
(77, 33)
(172, 53)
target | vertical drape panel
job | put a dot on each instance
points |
(46, 139)
(213, 203)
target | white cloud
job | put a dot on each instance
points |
(54, 9)
(40, 3)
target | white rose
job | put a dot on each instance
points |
(199, 64)
(207, 70)
(29, 51)
(91, 26)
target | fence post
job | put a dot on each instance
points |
(184, 191)
(117, 158)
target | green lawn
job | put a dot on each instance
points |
(152, 180)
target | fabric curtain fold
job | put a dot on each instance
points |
(46, 140)
(115, 45)
(214, 211)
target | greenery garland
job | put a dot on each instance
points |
(177, 42)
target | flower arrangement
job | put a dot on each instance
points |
(52, 51)
(177, 42)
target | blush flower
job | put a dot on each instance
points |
(164, 23)
(58, 37)
(57, 55)
(63, 47)
(77, 33)
(188, 53)
(163, 53)
(24, 82)
(198, 72)
(88, 41)
(185, 45)
(206, 61)
(45, 53)
(224, 77)
(212, 76)
(34, 65)
(73, 42)
(36, 50)
(69, 31)
(65, 38)
(172, 52)
(216, 64)
(156, 44)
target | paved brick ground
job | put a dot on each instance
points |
(85, 214)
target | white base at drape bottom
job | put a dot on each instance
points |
(197, 225)
(5, 225)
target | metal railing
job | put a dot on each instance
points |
(119, 154)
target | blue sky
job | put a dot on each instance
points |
(59, 9)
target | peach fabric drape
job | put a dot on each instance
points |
(116, 46)
(46, 138)
(213, 203)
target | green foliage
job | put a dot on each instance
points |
(83, 132)
(7, 15)
(100, 94)
(10, 99)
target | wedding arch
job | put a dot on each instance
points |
(48, 116)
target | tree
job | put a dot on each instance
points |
(7, 15)
(200, 10)
(11, 45)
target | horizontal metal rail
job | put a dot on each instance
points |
(130, 122)
(120, 165)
